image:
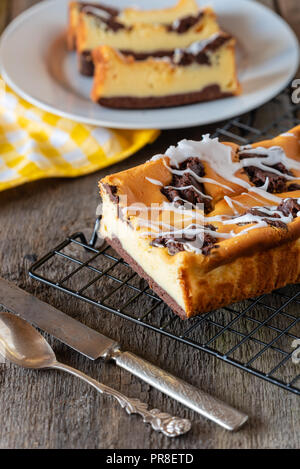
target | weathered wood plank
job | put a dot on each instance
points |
(267, 3)
(290, 11)
(17, 6)
(4, 13)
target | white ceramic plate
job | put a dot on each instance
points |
(35, 63)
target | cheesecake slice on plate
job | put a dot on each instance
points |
(75, 9)
(140, 33)
(129, 16)
(204, 71)
(209, 223)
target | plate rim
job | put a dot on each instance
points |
(266, 97)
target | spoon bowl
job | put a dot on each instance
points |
(23, 345)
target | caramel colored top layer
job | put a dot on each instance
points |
(249, 198)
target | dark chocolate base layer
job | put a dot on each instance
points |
(146, 55)
(86, 64)
(116, 245)
(208, 93)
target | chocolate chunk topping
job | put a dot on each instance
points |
(187, 58)
(86, 64)
(112, 24)
(257, 176)
(190, 194)
(184, 24)
(169, 242)
(109, 20)
(175, 246)
(218, 42)
(265, 217)
(256, 212)
(203, 56)
(112, 192)
(293, 187)
(275, 223)
(289, 206)
(243, 155)
(209, 241)
(145, 55)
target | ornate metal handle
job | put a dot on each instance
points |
(160, 421)
(195, 399)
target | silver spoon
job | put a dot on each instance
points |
(23, 345)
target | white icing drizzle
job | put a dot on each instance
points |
(195, 48)
(260, 224)
(230, 202)
(265, 187)
(288, 134)
(274, 155)
(211, 151)
(258, 221)
(265, 194)
(250, 218)
(159, 156)
(198, 178)
(219, 157)
(155, 182)
(183, 188)
(176, 22)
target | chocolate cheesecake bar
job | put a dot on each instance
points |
(140, 33)
(75, 9)
(204, 71)
(209, 223)
(128, 16)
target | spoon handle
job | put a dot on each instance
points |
(160, 421)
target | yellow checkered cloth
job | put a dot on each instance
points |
(35, 144)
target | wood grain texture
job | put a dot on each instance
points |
(4, 13)
(290, 11)
(51, 410)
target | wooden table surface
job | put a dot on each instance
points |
(52, 410)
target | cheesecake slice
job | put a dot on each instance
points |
(75, 9)
(130, 16)
(209, 223)
(204, 71)
(140, 33)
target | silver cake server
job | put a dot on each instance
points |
(95, 345)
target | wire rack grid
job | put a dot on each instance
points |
(260, 336)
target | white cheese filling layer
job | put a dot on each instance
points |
(161, 267)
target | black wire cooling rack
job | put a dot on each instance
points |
(260, 336)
